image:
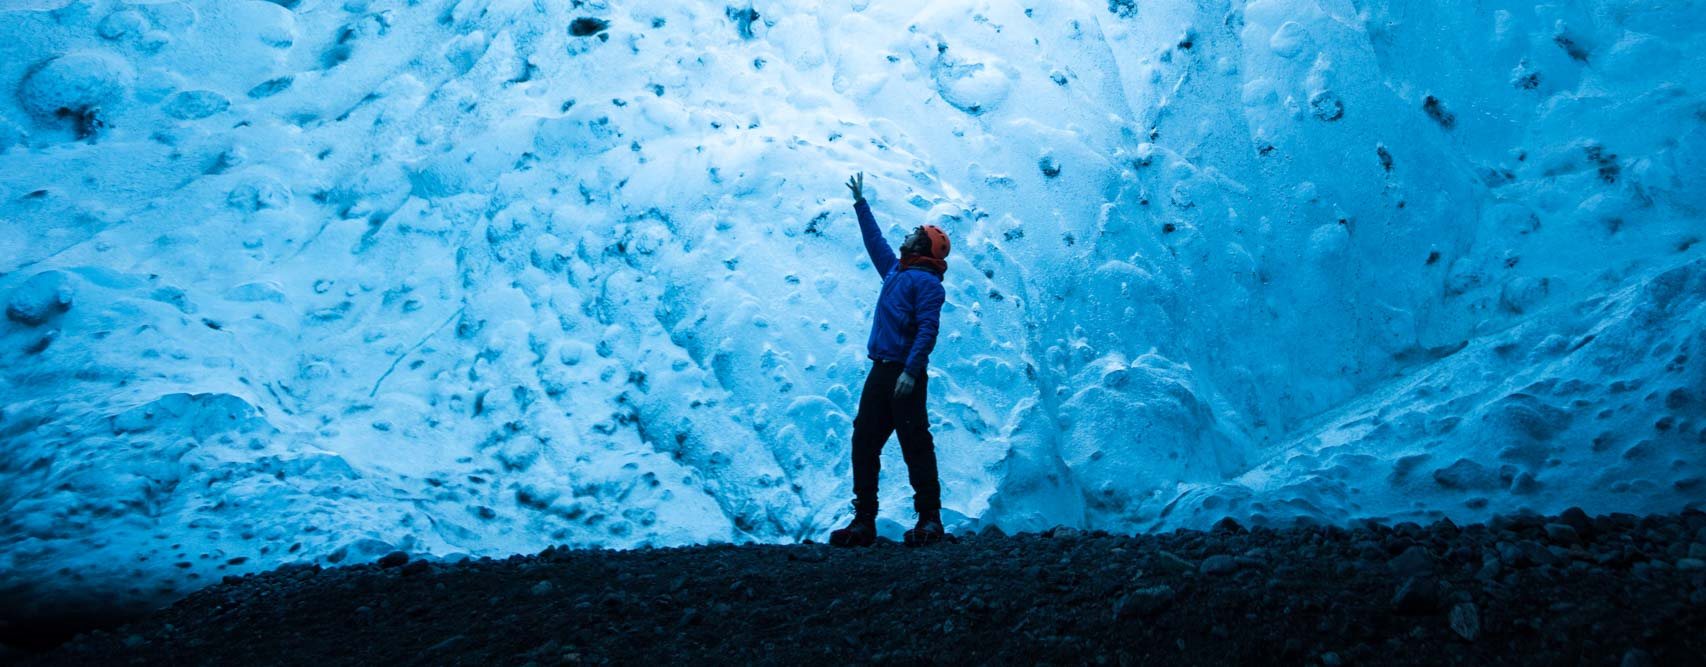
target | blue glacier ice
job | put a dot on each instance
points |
(313, 280)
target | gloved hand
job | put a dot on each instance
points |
(903, 385)
(857, 185)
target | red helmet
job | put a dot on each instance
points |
(939, 245)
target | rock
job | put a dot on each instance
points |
(1526, 553)
(1544, 611)
(991, 531)
(1697, 551)
(301, 570)
(1143, 602)
(1167, 561)
(1368, 550)
(1637, 658)
(1228, 525)
(1331, 659)
(1415, 561)
(1466, 621)
(1221, 564)
(1417, 595)
(1578, 519)
(1562, 533)
(1546, 555)
(1524, 520)
(1690, 564)
(393, 559)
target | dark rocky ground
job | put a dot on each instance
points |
(1573, 589)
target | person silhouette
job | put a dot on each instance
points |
(903, 333)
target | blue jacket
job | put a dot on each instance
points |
(909, 308)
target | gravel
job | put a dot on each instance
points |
(1518, 590)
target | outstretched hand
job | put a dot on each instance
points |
(903, 385)
(857, 185)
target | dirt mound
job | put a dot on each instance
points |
(1523, 589)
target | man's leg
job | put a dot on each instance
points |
(912, 426)
(871, 429)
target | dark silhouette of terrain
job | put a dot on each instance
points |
(1526, 589)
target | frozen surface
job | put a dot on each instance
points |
(314, 280)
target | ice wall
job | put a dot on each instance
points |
(317, 279)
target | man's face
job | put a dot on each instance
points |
(916, 243)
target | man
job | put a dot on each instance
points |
(903, 331)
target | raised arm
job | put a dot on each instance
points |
(882, 258)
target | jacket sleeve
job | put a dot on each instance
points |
(882, 257)
(927, 312)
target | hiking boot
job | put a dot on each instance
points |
(861, 531)
(928, 531)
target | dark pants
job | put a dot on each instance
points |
(881, 413)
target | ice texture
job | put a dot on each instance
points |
(316, 280)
